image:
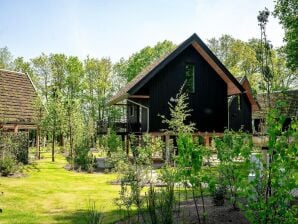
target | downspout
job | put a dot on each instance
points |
(147, 108)
(228, 116)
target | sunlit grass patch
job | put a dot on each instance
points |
(48, 193)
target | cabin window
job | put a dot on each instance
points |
(239, 102)
(190, 78)
(131, 111)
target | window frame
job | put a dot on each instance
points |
(239, 102)
(131, 111)
(193, 88)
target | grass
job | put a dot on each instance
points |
(50, 194)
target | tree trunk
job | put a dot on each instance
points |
(70, 137)
(53, 142)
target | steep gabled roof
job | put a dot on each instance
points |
(148, 73)
(245, 84)
(17, 98)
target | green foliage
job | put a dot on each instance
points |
(137, 173)
(20, 65)
(166, 204)
(119, 161)
(233, 151)
(111, 142)
(116, 156)
(5, 58)
(238, 56)
(125, 199)
(49, 184)
(179, 113)
(42, 71)
(83, 159)
(13, 151)
(189, 160)
(8, 165)
(161, 200)
(244, 59)
(93, 215)
(219, 195)
(189, 164)
(287, 11)
(269, 194)
(151, 197)
(140, 60)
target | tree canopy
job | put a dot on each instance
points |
(287, 12)
(138, 61)
(243, 59)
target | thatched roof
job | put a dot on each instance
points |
(17, 98)
(290, 97)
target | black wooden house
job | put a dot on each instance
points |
(217, 99)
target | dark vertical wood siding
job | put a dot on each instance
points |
(209, 102)
(144, 119)
(240, 118)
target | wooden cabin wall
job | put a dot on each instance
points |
(209, 102)
(144, 119)
(240, 118)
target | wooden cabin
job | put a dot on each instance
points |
(289, 110)
(17, 102)
(210, 86)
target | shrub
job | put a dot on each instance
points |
(111, 143)
(14, 144)
(233, 151)
(118, 161)
(8, 165)
(219, 195)
(83, 159)
(269, 194)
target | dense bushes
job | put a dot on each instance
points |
(13, 151)
(269, 192)
(233, 151)
(8, 165)
(83, 159)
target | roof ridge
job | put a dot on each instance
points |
(10, 71)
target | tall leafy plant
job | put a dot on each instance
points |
(233, 152)
(270, 193)
(189, 163)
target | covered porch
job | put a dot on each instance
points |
(131, 116)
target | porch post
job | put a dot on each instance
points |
(38, 142)
(123, 141)
(167, 141)
(127, 145)
(206, 138)
(16, 128)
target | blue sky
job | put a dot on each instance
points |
(118, 28)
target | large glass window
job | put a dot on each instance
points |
(190, 77)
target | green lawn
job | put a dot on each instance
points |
(50, 194)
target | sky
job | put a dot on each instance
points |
(118, 28)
